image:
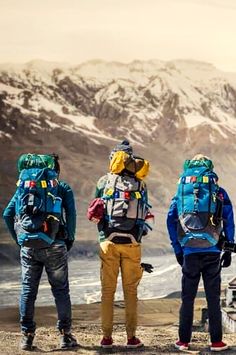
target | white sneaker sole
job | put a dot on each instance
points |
(106, 346)
(181, 347)
(134, 346)
(71, 346)
(219, 349)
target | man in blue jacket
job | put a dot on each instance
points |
(54, 259)
(198, 259)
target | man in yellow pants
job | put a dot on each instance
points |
(113, 257)
(120, 231)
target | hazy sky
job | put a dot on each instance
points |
(123, 30)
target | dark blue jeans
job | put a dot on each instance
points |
(54, 259)
(195, 265)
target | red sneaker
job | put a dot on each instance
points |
(218, 346)
(106, 342)
(134, 343)
(181, 346)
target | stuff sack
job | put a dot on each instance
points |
(96, 209)
(121, 161)
(142, 169)
(27, 161)
(199, 207)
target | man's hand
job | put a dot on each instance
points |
(95, 220)
(225, 260)
(147, 267)
(180, 258)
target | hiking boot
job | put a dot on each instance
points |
(181, 346)
(218, 346)
(106, 342)
(134, 343)
(68, 341)
(26, 342)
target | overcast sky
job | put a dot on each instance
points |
(78, 30)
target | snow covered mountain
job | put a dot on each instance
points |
(104, 99)
(169, 111)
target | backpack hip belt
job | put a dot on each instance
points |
(123, 235)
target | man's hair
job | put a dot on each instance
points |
(56, 163)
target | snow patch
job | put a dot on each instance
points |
(52, 124)
(9, 89)
(5, 135)
(193, 120)
(86, 122)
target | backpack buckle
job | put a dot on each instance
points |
(212, 220)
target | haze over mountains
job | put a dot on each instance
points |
(168, 110)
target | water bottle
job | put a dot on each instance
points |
(101, 237)
(57, 205)
(150, 220)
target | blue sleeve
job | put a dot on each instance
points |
(228, 216)
(9, 217)
(172, 222)
(68, 204)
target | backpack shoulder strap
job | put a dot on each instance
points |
(143, 185)
(110, 185)
(101, 184)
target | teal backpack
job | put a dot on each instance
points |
(198, 205)
(38, 207)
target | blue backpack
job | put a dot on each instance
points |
(199, 207)
(38, 207)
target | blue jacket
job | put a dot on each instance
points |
(68, 205)
(228, 226)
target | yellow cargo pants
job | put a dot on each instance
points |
(126, 257)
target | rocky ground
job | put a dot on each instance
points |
(158, 330)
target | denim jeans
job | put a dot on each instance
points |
(54, 259)
(195, 265)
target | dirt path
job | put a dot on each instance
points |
(158, 330)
